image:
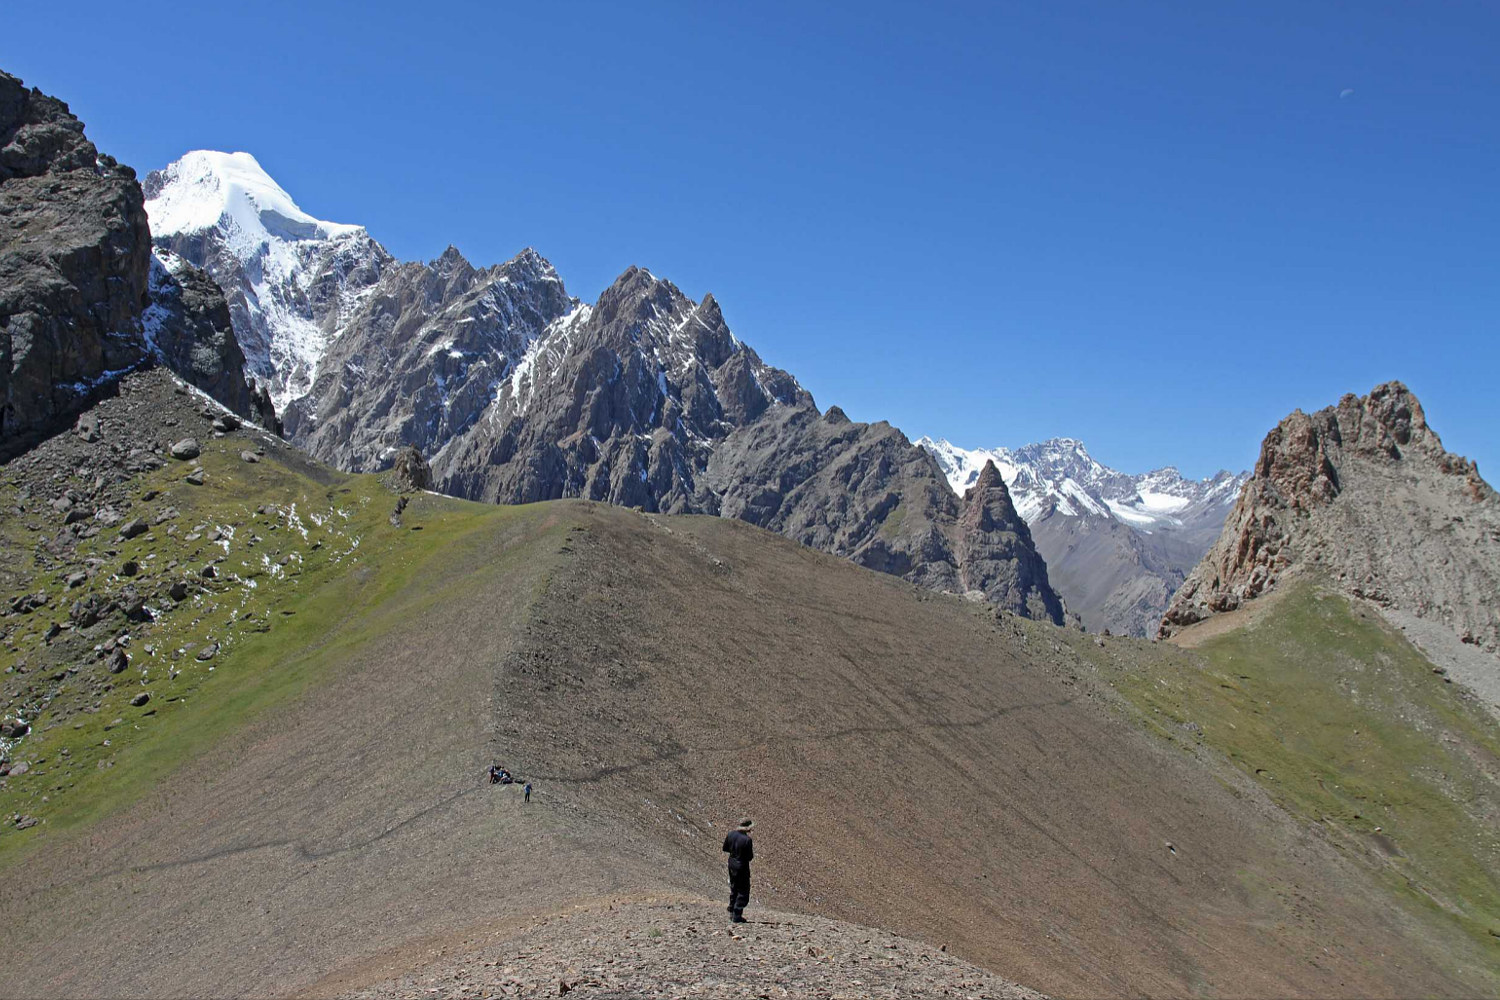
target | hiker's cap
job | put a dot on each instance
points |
(747, 824)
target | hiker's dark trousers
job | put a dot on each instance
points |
(739, 889)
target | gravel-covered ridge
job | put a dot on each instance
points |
(676, 948)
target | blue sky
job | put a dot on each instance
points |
(1156, 227)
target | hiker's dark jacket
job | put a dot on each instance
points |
(739, 848)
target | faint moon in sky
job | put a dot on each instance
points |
(1346, 91)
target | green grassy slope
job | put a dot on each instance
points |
(303, 551)
(1349, 727)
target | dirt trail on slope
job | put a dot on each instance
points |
(911, 762)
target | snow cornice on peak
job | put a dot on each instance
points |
(207, 189)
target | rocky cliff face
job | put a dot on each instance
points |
(422, 355)
(1364, 493)
(81, 301)
(187, 326)
(1117, 546)
(74, 259)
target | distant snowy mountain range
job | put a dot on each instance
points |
(1116, 545)
(1060, 476)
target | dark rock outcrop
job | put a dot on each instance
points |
(1365, 493)
(996, 555)
(74, 256)
(79, 302)
(411, 470)
(188, 325)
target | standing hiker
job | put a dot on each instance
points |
(528, 791)
(741, 851)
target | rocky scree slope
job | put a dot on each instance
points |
(81, 299)
(1117, 546)
(516, 392)
(1364, 493)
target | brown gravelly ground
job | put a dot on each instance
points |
(911, 762)
(681, 949)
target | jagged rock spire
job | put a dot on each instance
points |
(996, 555)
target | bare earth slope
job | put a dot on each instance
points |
(913, 763)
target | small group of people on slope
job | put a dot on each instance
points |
(500, 776)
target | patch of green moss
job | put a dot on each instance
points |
(891, 526)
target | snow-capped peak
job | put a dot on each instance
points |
(227, 215)
(207, 189)
(1060, 476)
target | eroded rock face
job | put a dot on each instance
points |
(1364, 492)
(74, 253)
(79, 304)
(862, 491)
(188, 325)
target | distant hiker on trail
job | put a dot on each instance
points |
(528, 791)
(741, 852)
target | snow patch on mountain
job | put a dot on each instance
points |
(1060, 476)
(206, 189)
